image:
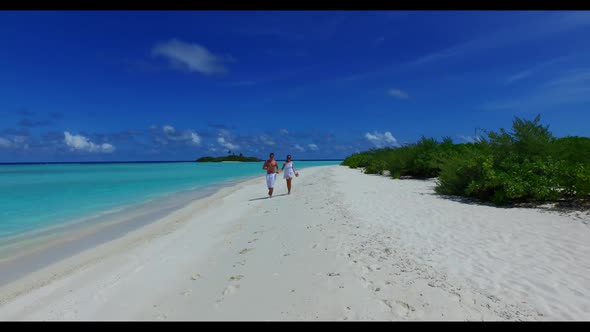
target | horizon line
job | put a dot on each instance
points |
(131, 162)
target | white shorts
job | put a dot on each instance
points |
(270, 180)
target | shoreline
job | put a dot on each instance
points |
(26, 253)
(74, 261)
(342, 246)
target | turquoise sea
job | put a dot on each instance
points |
(41, 196)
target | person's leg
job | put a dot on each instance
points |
(289, 185)
(272, 184)
(269, 184)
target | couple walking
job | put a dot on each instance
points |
(272, 169)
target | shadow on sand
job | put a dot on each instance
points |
(564, 206)
(266, 197)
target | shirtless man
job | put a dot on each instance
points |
(272, 169)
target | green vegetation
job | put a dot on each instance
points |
(527, 164)
(229, 157)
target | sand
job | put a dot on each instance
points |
(343, 246)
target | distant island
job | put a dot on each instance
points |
(231, 157)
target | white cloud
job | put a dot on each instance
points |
(571, 79)
(266, 140)
(79, 142)
(19, 139)
(313, 147)
(171, 134)
(168, 130)
(226, 143)
(519, 76)
(195, 138)
(532, 26)
(526, 73)
(381, 139)
(371, 137)
(398, 93)
(470, 139)
(537, 26)
(224, 132)
(568, 88)
(193, 57)
(389, 138)
(14, 142)
(299, 147)
(284, 131)
(161, 140)
(4, 143)
(107, 148)
(224, 139)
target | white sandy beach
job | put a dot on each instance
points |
(343, 246)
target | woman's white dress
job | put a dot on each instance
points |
(289, 173)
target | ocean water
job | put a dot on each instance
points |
(39, 197)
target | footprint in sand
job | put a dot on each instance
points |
(493, 298)
(246, 250)
(366, 283)
(231, 289)
(403, 308)
(252, 241)
(195, 276)
(236, 278)
(400, 308)
(370, 268)
(242, 263)
(233, 286)
(374, 267)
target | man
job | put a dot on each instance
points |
(272, 169)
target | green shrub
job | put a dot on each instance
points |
(572, 149)
(376, 166)
(460, 170)
(356, 160)
(526, 164)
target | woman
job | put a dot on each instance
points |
(289, 172)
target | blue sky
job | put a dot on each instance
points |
(171, 85)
